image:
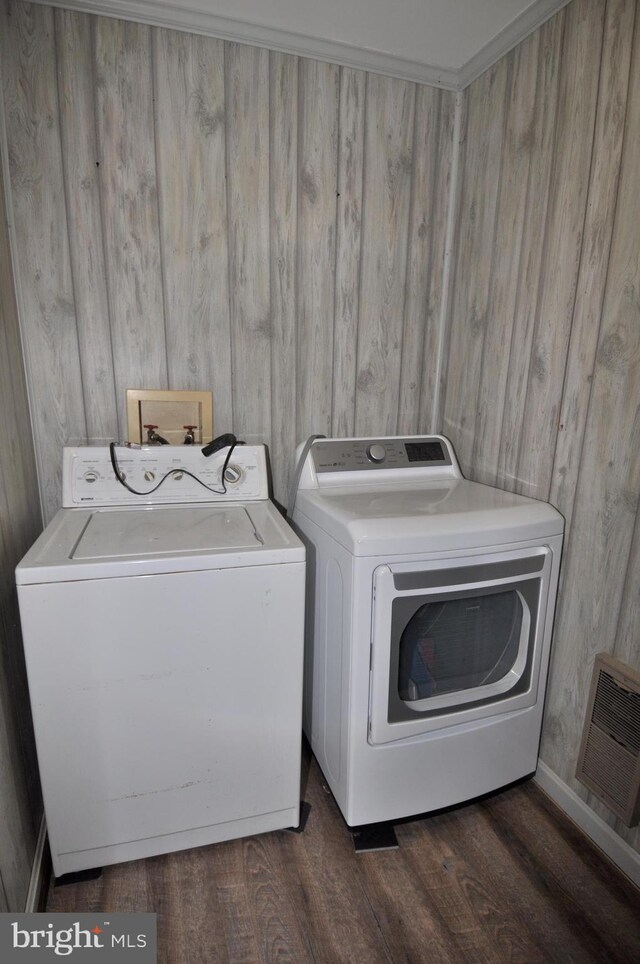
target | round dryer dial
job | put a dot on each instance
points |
(376, 453)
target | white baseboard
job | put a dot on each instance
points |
(37, 871)
(616, 849)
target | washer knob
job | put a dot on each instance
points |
(233, 474)
(376, 453)
(149, 476)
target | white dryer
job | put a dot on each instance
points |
(163, 636)
(430, 604)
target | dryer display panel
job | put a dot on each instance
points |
(424, 451)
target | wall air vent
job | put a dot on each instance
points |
(609, 761)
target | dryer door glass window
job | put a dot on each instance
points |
(460, 648)
(455, 645)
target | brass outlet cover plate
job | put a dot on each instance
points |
(170, 411)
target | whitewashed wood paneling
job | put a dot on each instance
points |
(594, 262)
(248, 162)
(129, 197)
(482, 143)
(606, 504)
(20, 523)
(349, 243)
(317, 190)
(283, 141)
(431, 191)
(36, 169)
(506, 249)
(390, 122)
(191, 163)
(563, 242)
(76, 93)
(543, 392)
(207, 215)
(520, 338)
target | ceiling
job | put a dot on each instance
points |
(447, 43)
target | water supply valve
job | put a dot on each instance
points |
(152, 436)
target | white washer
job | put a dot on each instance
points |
(429, 616)
(164, 643)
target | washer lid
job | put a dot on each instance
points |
(104, 543)
(433, 516)
(154, 532)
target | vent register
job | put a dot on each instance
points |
(609, 760)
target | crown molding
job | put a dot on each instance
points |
(193, 20)
(514, 33)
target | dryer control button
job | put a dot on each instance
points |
(376, 453)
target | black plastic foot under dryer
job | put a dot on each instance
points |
(374, 836)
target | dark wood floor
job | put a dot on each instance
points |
(507, 879)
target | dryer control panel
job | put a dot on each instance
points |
(364, 461)
(162, 475)
(348, 455)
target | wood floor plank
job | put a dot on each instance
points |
(403, 910)
(189, 912)
(481, 928)
(513, 879)
(231, 889)
(575, 876)
(341, 926)
(273, 918)
(508, 878)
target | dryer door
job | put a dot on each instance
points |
(456, 640)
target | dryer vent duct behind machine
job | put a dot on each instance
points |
(430, 605)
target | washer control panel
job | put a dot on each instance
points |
(162, 474)
(349, 455)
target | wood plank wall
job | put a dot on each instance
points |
(20, 523)
(543, 374)
(198, 214)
